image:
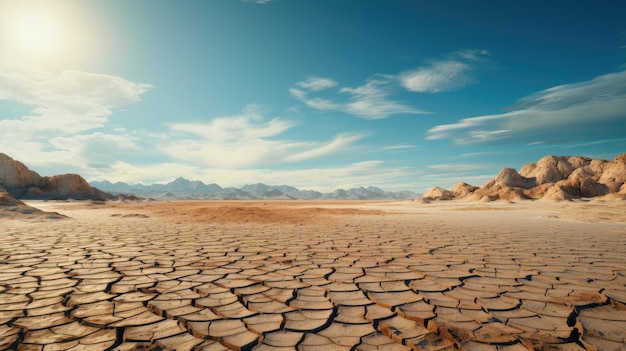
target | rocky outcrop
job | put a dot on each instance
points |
(463, 189)
(438, 193)
(22, 183)
(509, 177)
(551, 178)
(7, 200)
(614, 174)
(14, 174)
(13, 208)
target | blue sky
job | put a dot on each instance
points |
(315, 94)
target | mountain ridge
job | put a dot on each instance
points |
(182, 188)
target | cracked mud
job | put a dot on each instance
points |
(307, 276)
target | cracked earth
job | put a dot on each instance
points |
(315, 276)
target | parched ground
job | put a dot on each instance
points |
(315, 276)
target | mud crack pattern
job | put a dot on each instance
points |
(352, 282)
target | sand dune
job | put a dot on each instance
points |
(315, 276)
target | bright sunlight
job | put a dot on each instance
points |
(37, 30)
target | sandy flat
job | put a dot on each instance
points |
(315, 276)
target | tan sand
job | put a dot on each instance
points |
(315, 276)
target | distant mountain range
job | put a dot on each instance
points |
(182, 188)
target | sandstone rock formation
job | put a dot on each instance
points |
(11, 207)
(22, 183)
(438, 193)
(552, 178)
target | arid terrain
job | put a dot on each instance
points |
(524, 275)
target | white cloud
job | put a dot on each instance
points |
(96, 147)
(316, 103)
(400, 147)
(567, 113)
(440, 76)
(449, 74)
(370, 101)
(246, 141)
(63, 104)
(459, 167)
(472, 54)
(373, 100)
(339, 143)
(224, 129)
(317, 83)
(297, 93)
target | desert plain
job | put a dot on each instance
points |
(306, 275)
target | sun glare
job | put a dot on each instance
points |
(37, 30)
(38, 33)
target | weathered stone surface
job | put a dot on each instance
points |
(438, 193)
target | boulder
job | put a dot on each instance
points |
(438, 193)
(509, 177)
(614, 174)
(498, 191)
(462, 190)
(71, 186)
(578, 161)
(549, 169)
(556, 193)
(582, 187)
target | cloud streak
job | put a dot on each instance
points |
(246, 141)
(443, 75)
(374, 99)
(369, 101)
(565, 113)
(317, 83)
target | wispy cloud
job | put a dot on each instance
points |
(260, 2)
(598, 142)
(340, 142)
(566, 113)
(456, 167)
(245, 141)
(317, 83)
(370, 101)
(400, 147)
(375, 99)
(97, 147)
(249, 125)
(439, 76)
(63, 104)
